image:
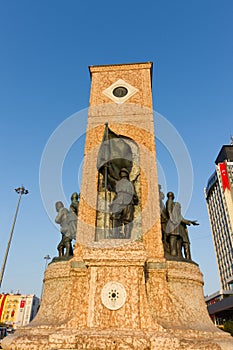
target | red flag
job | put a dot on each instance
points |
(225, 180)
(22, 303)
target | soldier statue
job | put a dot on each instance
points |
(67, 219)
(122, 206)
(163, 220)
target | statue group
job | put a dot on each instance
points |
(67, 219)
(174, 228)
(114, 164)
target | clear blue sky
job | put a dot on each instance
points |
(46, 48)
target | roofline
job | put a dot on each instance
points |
(98, 67)
(218, 294)
(120, 64)
(216, 160)
(124, 66)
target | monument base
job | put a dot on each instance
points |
(67, 339)
(162, 306)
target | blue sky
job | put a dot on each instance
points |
(46, 48)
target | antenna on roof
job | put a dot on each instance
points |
(231, 141)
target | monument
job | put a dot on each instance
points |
(130, 283)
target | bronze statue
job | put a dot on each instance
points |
(62, 219)
(74, 202)
(163, 220)
(73, 215)
(114, 154)
(122, 206)
(68, 225)
(114, 164)
(176, 229)
(185, 242)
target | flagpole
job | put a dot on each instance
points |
(20, 191)
(105, 184)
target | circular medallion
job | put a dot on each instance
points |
(120, 91)
(113, 295)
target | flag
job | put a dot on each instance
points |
(225, 180)
(114, 154)
(22, 304)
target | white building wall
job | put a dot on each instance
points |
(220, 209)
(28, 307)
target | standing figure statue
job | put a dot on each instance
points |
(185, 242)
(122, 206)
(62, 219)
(74, 202)
(176, 228)
(73, 215)
(67, 219)
(164, 221)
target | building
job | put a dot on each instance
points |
(219, 198)
(17, 310)
(220, 307)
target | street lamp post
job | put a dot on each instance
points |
(47, 258)
(20, 191)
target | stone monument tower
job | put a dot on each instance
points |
(120, 289)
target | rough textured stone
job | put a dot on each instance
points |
(164, 307)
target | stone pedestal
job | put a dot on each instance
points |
(119, 294)
(163, 308)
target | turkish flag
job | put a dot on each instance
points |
(225, 180)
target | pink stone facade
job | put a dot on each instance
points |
(164, 306)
